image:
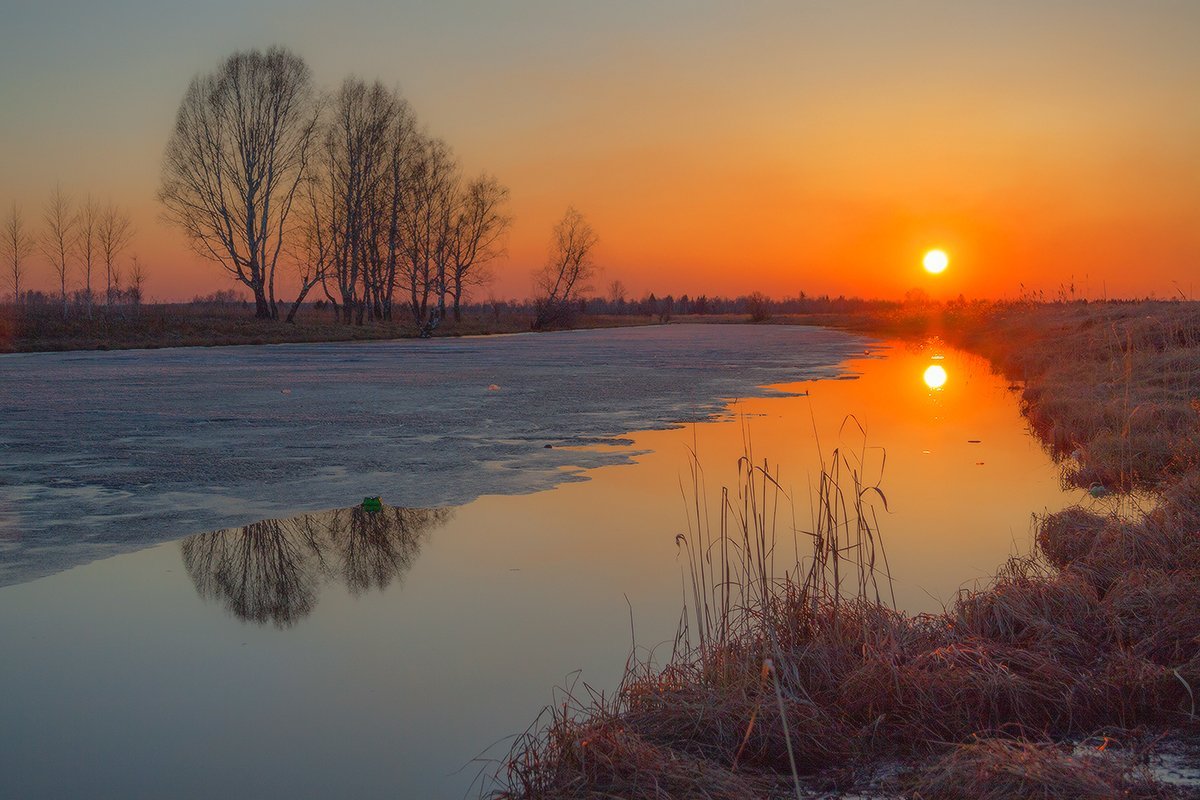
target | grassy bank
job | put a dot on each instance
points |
(1054, 681)
(201, 325)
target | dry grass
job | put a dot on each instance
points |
(201, 325)
(998, 768)
(785, 683)
(1109, 388)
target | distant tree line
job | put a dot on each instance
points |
(83, 245)
(756, 304)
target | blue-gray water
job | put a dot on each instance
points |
(106, 452)
(346, 654)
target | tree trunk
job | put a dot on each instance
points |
(262, 309)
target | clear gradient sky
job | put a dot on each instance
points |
(716, 147)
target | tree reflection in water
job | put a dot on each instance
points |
(273, 570)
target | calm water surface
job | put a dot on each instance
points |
(347, 654)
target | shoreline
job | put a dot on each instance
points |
(157, 327)
(799, 691)
(162, 326)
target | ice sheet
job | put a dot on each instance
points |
(106, 452)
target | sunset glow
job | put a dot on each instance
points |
(780, 148)
(935, 262)
(356, 356)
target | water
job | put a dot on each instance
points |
(108, 452)
(346, 654)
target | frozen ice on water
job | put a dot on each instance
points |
(105, 452)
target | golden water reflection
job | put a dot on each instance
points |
(961, 474)
(935, 376)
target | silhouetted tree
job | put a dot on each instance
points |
(616, 292)
(88, 245)
(758, 305)
(568, 269)
(115, 234)
(16, 245)
(477, 237)
(137, 283)
(426, 226)
(352, 206)
(235, 161)
(58, 239)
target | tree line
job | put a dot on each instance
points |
(343, 190)
(265, 173)
(83, 245)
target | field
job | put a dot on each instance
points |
(208, 325)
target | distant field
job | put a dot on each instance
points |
(26, 330)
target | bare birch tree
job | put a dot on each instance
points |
(347, 208)
(115, 234)
(385, 213)
(137, 283)
(315, 256)
(88, 245)
(58, 239)
(568, 269)
(16, 245)
(235, 162)
(477, 237)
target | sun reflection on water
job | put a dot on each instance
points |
(935, 376)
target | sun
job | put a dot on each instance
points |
(935, 376)
(936, 261)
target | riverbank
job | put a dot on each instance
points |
(1057, 680)
(209, 325)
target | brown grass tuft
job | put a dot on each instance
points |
(1002, 768)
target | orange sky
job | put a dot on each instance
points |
(777, 147)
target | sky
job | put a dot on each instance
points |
(716, 148)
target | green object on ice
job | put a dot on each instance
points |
(1097, 490)
(372, 504)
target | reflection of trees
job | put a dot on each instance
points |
(272, 571)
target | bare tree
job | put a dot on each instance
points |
(403, 158)
(616, 292)
(137, 283)
(16, 245)
(351, 205)
(426, 224)
(88, 245)
(235, 161)
(58, 238)
(477, 236)
(115, 233)
(315, 256)
(568, 269)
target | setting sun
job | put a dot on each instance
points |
(936, 261)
